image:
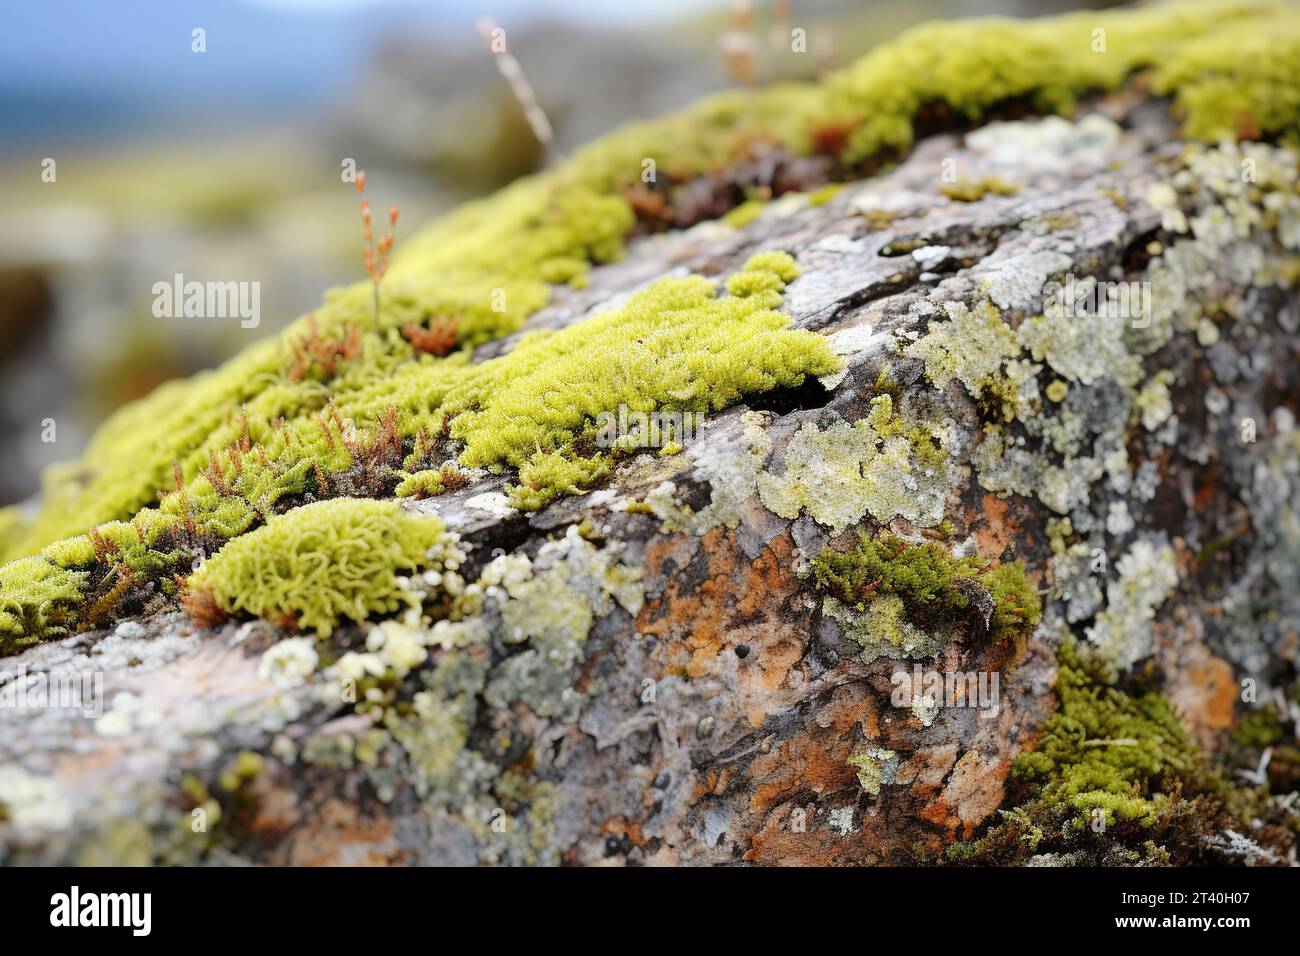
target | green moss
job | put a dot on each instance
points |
(967, 190)
(1259, 728)
(1115, 780)
(1197, 51)
(547, 475)
(674, 347)
(1104, 750)
(820, 197)
(925, 586)
(745, 213)
(38, 601)
(430, 482)
(13, 527)
(323, 562)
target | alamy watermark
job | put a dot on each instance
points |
(1084, 298)
(929, 690)
(208, 300)
(62, 690)
(628, 430)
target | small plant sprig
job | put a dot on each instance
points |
(739, 48)
(376, 254)
(520, 88)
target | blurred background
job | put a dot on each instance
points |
(225, 164)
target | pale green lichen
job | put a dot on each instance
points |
(319, 564)
(876, 768)
(970, 347)
(1082, 348)
(731, 469)
(550, 606)
(879, 465)
(1147, 575)
(882, 630)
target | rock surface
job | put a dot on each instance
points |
(683, 693)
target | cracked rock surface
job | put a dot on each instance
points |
(657, 679)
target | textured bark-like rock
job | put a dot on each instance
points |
(661, 681)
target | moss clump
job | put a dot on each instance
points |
(676, 347)
(315, 565)
(973, 190)
(1259, 728)
(745, 213)
(927, 585)
(1202, 53)
(430, 482)
(1105, 750)
(1114, 777)
(38, 601)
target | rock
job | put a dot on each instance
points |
(654, 671)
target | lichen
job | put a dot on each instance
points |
(970, 347)
(878, 465)
(876, 768)
(882, 630)
(550, 607)
(1147, 574)
(318, 564)
(731, 467)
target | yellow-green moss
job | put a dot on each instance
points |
(318, 564)
(422, 484)
(1105, 750)
(967, 190)
(1201, 53)
(1115, 779)
(38, 601)
(674, 347)
(745, 213)
(927, 585)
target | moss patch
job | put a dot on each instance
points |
(315, 565)
(922, 586)
(38, 601)
(1115, 777)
